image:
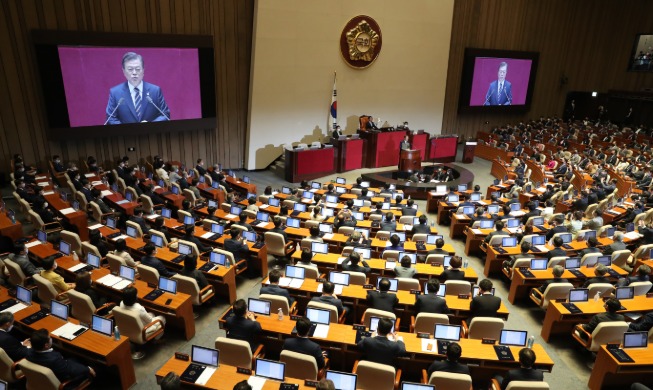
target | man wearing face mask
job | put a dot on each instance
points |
(20, 257)
(49, 266)
(10, 344)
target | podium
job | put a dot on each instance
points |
(468, 152)
(410, 160)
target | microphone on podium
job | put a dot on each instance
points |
(149, 99)
(122, 99)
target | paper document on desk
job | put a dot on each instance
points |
(89, 174)
(321, 331)
(478, 232)
(337, 289)
(79, 266)
(122, 201)
(261, 224)
(313, 190)
(341, 259)
(106, 193)
(517, 213)
(230, 216)
(96, 226)
(632, 235)
(122, 236)
(152, 217)
(122, 284)
(328, 236)
(67, 331)
(408, 227)
(257, 382)
(264, 206)
(629, 204)
(13, 309)
(43, 184)
(109, 280)
(284, 281)
(514, 230)
(205, 376)
(542, 248)
(67, 210)
(331, 205)
(48, 193)
(429, 345)
(207, 235)
(96, 183)
(40, 177)
(296, 283)
(390, 265)
(33, 243)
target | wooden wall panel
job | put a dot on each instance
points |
(22, 122)
(588, 41)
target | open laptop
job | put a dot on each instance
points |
(156, 240)
(342, 380)
(538, 264)
(259, 306)
(625, 293)
(22, 301)
(340, 279)
(447, 332)
(42, 236)
(319, 247)
(415, 386)
(394, 284)
(293, 222)
(59, 310)
(513, 337)
(578, 295)
(365, 253)
(270, 369)
(374, 324)
(294, 277)
(320, 320)
(539, 243)
(635, 340)
(92, 262)
(442, 291)
(261, 217)
(215, 260)
(204, 362)
(298, 209)
(102, 325)
(476, 289)
(486, 224)
(64, 249)
(509, 242)
(325, 228)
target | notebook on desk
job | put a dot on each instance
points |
(22, 301)
(204, 362)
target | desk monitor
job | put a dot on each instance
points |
(201, 179)
(319, 247)
(415, 220)
(205, 356)
(131, 232)
(102, 325)
(394, 284)
(358, 216)
(127, 272)
(326, 228)
(536, 203)
(259, 306)
(341, 190)
(486, 224)
(318, 316)
(214, 184)
(292, 222)
(579, 295)
(468, 210)
(93, 260)
(316, 185)
(59, 310)
(339, 278)
(625, 293)
(166, 213)
(327, 212)
(263, 217)
(515, 206)
(590, 234)
(24, 295)
(572, 263)
(270, 369)
(509, 242)
(364, 232)
(274, 202)
(475, 196)
(191, 221)
(301, 207)
(539, 264)
(129, 196)
(462, 187)
(630, 227)
(605, 260)
(42, 236)
(365, 184)
(513, 337)
(432, 238)
(538, 221)
(342, 380)
(609, 232)
(476, 289)
(453, 198)
(538, 240)
(307, 195)
(218, 258)
(412, 256)
(156, 240)
(635, 340)
(447, 332)
(493, 208)
(235, 210)
(175, 190)
(295, 272)
(442, 291)
(217, 228)
(416, 386)
(331, 199)
(385, 206)
(249, 236)
(513, 223)
(341, 180)
(285, 190)
(441, 189)
(64, 247)
(364, 252)
(168, 285)
(246, 179)
(184, 249)
(359, 202)
(527, 188)
(566, 238)
(374, 323)
(401, 235)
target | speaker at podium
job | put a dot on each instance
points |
(410, 160)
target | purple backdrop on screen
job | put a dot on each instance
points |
(89, 73)
(485, 72)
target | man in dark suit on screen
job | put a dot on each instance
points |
(500, 91)
(135, 100)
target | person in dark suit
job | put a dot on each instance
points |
(150, 260)
(274, 289)
(525, 247)
(237, 246)
(484, 304)
(388, 224)
(301, 343)
(643, 324)
(352, 264)
(600, 271)
(135, 100)
(200, 167)
(190, 237)
(617, 245)
(404, 144)
(451, 364)
(242, 325)
(329, 298)
(190, 270)
(242, 221)
(431, 302)
(558, 227)
(278, 227)
(439, 244)
(591, 247)
(14, 348)
(383, 347)
(611, 306)
(557, 271)
(358, 240)
(557, 251)
(409, 210)
(500, 91)
(370, 125)
(382, 299)
(526, 372)
(138, 218)
(64, 369)
(453, 272)
(498, 231)
(642, 275)
(422, 227)
(337, 132)
(57, 164)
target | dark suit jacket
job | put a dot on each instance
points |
(644, 324)
(493, 98)
(62, 368)
(382, 301)
(546, 283)
(522, 374)
(157, 264)
(239, 250)
(241, 328)
(557, 229)
(12, 346)
(431, 303)
(555, 252)
(126, 112)
(452, 274)
(602, 317)
(447, 366)
(419, 228)
(273, 289)
(484, 305)
(381, 350)
(329, 300)
(409, 211)
(307, 347)
(388, 226)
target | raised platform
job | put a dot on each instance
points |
(418, 190)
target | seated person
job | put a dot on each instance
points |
(525, 372)
(315, 234)
(643, 324)
(237, 246)
(138, 218)
(453, 272)
(600, 271)
(382, 299)
(439, 244)
(130, 302)
(384, 345)
(557, 271)
(525, 247)
(95, 238)
(388, 224)
(592, 244)
(422, 227)
(557, 250)
(20, 257)
(611, 306)
(451, 363)
(643, 273)
(190, 270)
(484, 304)
(329, 298)
(64, 369)
(242, 221)
(409, 210)
(302, 344)
(278, 227)
(557, 227)
(15, 349)
(242, 325)
(498, 231)
(273, 287)
(305, 260)
(160, 226)
(405, 269)
(431, 302)
(395, 244)
(189, 236)
(151, 261)
(49, 265)
(83, 285)
(121, 251)
(352, 264)
(357, 240)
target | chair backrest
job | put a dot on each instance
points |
(390, 255)
(277, 301)
(406, 220)
(192, 245)
(38, 377)
(431, 259)
(306, 243)
(375, 376)
(642, 251)
(641, 288)
(45, 290)
(137, 227)
(5, 367)
(148, 274)
(82, 306)
(369, 313)
(557, 260)
(147, 204)
(485, 328)
(555, 291)
(132, 191)
(425, 322)
(450, 381)
(129, 324)
(456, 287)
(189, 196)
(346, 230)
(604, 289)
(407, 284)
(378, 217)
(607, 332)
(523, 262)
(589, 256)
(96, 212)
(36, 220)
(325, 306)
(188, 286)
(181, 214)
(239, 227)
(73, 239)
(382, 235)
(496, 240)
(299, 365)
(527, 385)
(419, 237)
(275, 243)
(206, 223)
(619, 258)
(90, 248)
(115, 262)
(309, 272)
(234, 352)
(357, 278)
(527, 237)
(16, 274)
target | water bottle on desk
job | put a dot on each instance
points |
(116, 333)
(531, 341)
(280, 314)
(465, 264)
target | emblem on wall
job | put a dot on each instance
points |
(360, 41)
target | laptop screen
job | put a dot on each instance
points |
(462, 187)
(625, 292)
(93, 260)
(476, 289)
(42, 236)
(263, 217)
(319, 247)
(509, 242)
(566, 238)
(259, 306)
(572, 263)
(513, 337)
(246, 179)
(249, 236)
(342, 380)
(416, 386)
(168, 285)
(102, 325)
(59, 310)
(235, 210)
(339, 278)
(475, 197)
(64, 247)
(468, 210)
(341, 190)
(513, 223)
(326, 228)
(191, 221)
(364, 232)
(270, 369)
(327, 213)
(401, 235)
(374, 323)
(341, 180)
(285, 190)
(316, 185)
(217, 228)
(515, 206)
(331, 199)
(538, 240)
(394, 283)
(157, 240)
(128, 273)
(166, 213)
(610, 231)
(217, 258)
(274, 202)
(605, 260)
(440, 189)
(184, 249)
(486, 224)
(635, 340)
(175, 190)
(538, 221)
(307, 195)
(129, 196)
(493, 209)
(447, 332)
(206, 356)
(295, 272)
(293, 222)
(364, 252)
(412, 256)
(24, 295)
(590, 234)
(579, 295)
(319, 316)
(432, 238)
(539, 264)
(131, 232)
(452, 198)
(442, 291)
(358, 202)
